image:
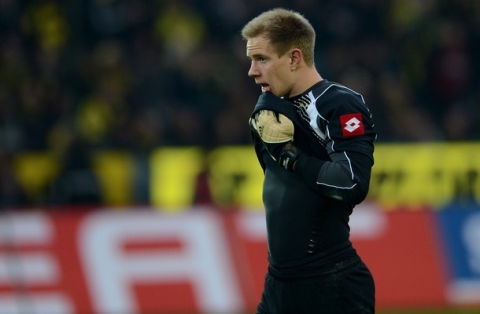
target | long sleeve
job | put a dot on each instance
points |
(345, 178)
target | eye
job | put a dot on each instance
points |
(262, 59)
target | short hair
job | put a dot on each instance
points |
(285, 29)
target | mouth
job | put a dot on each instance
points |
(265, 87)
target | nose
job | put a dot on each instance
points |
(253, 71)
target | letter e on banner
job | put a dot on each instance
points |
(26, 262)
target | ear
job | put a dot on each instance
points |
(296, 57)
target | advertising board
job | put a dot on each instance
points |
(204, 260)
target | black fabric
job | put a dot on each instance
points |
(347, 288)
(304, 137)
(301, 222)
(308, 210)
(331, 101)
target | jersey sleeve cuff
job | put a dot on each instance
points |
(308, 168)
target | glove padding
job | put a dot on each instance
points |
(272, 127)
(276, 132)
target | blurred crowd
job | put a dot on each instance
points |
(81, 75)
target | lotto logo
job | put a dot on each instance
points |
(352, 124)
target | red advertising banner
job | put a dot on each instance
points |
(202, 260)
(403, 251)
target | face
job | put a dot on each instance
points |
(270, 71)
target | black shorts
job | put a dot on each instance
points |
(348, 288)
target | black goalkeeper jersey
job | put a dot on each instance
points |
(307, 211)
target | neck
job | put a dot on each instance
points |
(305, 80)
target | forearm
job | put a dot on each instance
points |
(340, 178)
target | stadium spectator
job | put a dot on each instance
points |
(169, 72)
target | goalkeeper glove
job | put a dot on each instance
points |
(288, 156)
(276, 132)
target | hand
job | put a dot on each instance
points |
(276, 132)
(288, 156)
(272, 127)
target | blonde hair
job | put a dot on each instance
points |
(285, 29)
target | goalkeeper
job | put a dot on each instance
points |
(314, 140)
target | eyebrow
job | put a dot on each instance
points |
(256, 56)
